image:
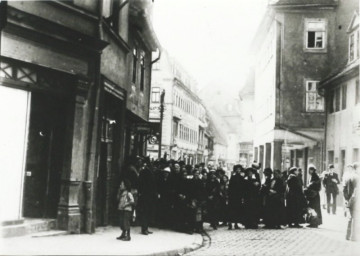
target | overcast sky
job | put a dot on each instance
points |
(210, 38)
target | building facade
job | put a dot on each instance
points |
(342, 93)
(247, 127)
(183, 121)
(66, 83)
(294, 47)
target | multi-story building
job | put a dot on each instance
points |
(293, 49)
(184, 115)
(67, 89)
(247, 127)
(342, 91)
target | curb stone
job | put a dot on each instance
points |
(197, 243)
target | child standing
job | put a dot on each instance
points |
(126, 201)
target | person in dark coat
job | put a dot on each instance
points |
(252, 199)
(197, 197)
(213, 200)
(312, 193)
(331, 181)
(236, 196)
(147, 197)
(277, 200)
(264, 193)
(181, 204)
(295, 199)
(165, 200)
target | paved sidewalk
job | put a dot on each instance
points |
(103, 242)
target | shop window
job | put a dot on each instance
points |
(314, 102)
(315, 34)
(155, 95)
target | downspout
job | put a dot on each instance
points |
(94, 134)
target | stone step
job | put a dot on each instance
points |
(50, 233)
(29, 226)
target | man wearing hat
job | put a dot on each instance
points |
(330, 182)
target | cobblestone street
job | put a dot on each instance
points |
(327, 240)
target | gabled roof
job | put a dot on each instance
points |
(354, 24)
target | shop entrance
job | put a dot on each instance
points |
(109, 162)
(45, 155)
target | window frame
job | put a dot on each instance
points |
(354, 55)
(308, 92)
(135, 53)
(306, 35)
(142, 71)
(156, 93)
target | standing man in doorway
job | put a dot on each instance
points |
(330, 182)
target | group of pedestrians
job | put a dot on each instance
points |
(171, 194)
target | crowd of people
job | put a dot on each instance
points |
(173, 195)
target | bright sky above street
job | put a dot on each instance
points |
(210, 38)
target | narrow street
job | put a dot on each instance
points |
(326, 240)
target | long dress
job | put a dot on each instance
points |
(236, 195)
(295, 200)
(252, 202)
(314, 200)
(274, 210)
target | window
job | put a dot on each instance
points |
(330, 157)
(343, 96)
(315, 34)
(155, 95)
(354, 46)
(135, 53)
(356, 155)
(175, 128)
(331, 102)
(357, 92)
(337, 99)
(314, 102)
(142, 71)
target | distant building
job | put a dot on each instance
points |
(342, 92)
(184, 115)
(247, 127)
(293, 48)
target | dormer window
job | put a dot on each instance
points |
(353, 32)
(354, 46)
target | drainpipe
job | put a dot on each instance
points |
(94, 134)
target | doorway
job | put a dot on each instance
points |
(45, 155)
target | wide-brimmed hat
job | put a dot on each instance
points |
(167, 169)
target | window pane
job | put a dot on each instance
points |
(319, 39)
(337, 99)
(343, 96)
(311, 40)
(351, 46)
